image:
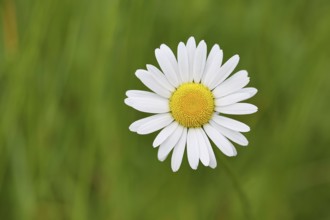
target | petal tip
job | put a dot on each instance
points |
(127, 101)
(148, 66)
(163, 46)
(155, 144)
(175, 168)
(157, 51)
(213, 166)
(254, 91)
(181, 44)
(191, 40)
(131, 128)
(138, 73)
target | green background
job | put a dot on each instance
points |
(65, 148)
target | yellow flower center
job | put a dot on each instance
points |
(192, 105)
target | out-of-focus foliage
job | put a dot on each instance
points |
(65, 148)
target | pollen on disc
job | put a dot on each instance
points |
(192, 105)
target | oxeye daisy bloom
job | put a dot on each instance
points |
(190, 95)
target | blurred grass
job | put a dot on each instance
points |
(65, 148)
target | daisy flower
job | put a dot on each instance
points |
(190, 96)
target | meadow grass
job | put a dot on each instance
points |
(65, 148)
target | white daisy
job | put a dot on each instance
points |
(189, 97)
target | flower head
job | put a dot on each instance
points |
(189, 96)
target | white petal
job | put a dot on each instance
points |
(203, 151)
(232, 84)
(149, 104)
(160, 77)
(165, 133)
(214, 57)
(192, 149)
(250, 90)
(237, 109)
(234, 136)
(220, 141)
(231, 99)
(212, 65)
(213, 161)
(148, 80)
(224, 71)
(247, 94)
(140, 93)
(171, 57)
(199, 61)
(178, 151)
(183, 62)
(230, 123)
(156, 124)
(167, 68)
(137, 124)
(191, 48)
(166, 147)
